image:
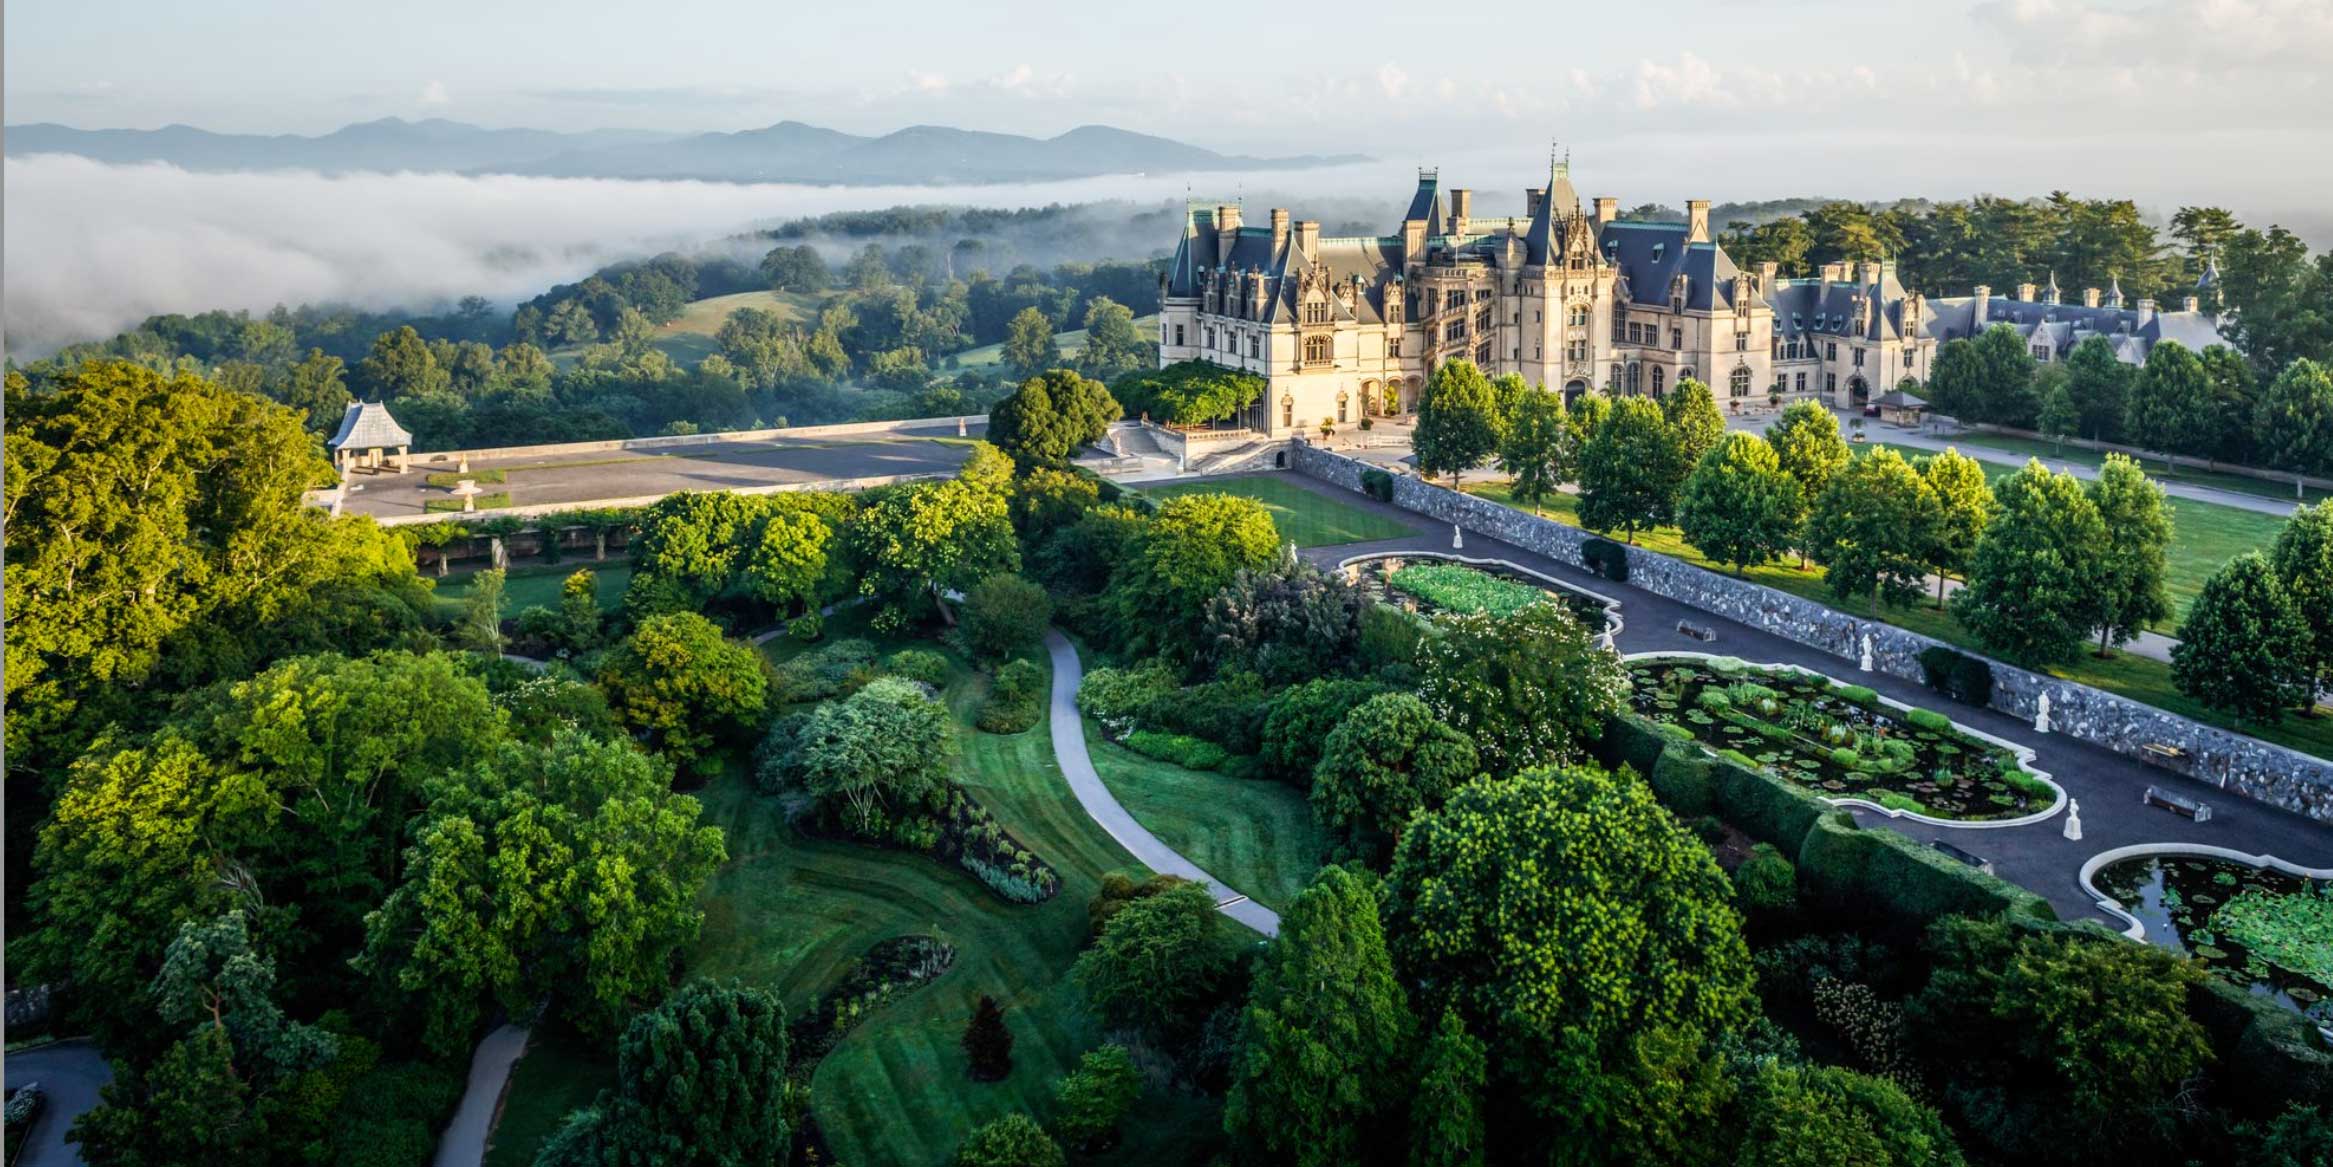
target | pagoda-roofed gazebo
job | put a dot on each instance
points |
(367, 434)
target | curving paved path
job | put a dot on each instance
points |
(70, 1074)
(1077, 765)
(464, 1142)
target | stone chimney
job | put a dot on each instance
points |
(1769, 276)
(1413, 241)
(1868, 273)
(1697, 220)
(1834, 273)
(2191, 304)
(1279, 229)
(2026, 293)
(1461, 209)
(2146, 313)
(1227, 217)
(2090, 297)
(1984, 297)
(1308, 236)
(1607, 210)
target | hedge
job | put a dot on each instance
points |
(1902, 883)
(1631, 742)
(1682, 779)
(1958, 675)
(1929, 719)
(1766, 808)
(1606, 558)
(1177, 749)
(1377, 484)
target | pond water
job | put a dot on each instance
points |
(1424, 583)
(1837, 741)
(2258, 927)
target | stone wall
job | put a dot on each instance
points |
(2235, 763)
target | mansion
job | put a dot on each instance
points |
(1571, 295)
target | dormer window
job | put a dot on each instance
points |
(1316, 311)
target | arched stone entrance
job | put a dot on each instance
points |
(1858, 391)
(1573, 390)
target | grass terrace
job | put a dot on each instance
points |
(1309, 518)
(1838, 741)
(1256, 835)
(2264, 929)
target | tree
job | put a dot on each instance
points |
(1692, 413)
(2171, 408)
(1631, 469)
(481, 627)
(2033, 584)
(1385, 761)
(1738, 506)
(700, 1082)
(929, 538)
(988, 1045)
(1539, 450)
(1810, 1116)
(2235, 403)
(2302, 560)
(795, 269)
(788, 560)
(1029, 348)
(1004, 615)
(1012, 1141)
(1317, 1072)
(1091, 1101)
(2059, 418)
(579, 613)
(2295, 424)
(1050, 416)
(1446, 1119)
(1300, 719)
(1197, 544)
(882, 752)
(1113, 345)
(1155, 961)
(1873, 529)
(679, 682)
(2275, 297)
(2243, 648)
(2205, 231)
(1808, 447)
(314, 386)
(1459, 421)
(1964, 505)
(1286, 623)
(1516, 895)
(698, 538)
(1530, 689)
(2129, 590)
(2099, 386)
(400, 366)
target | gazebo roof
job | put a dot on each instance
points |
(368, 426)
(1898, 399)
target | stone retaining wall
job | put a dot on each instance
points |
(930, 427)
(540, 510)
(2231, 761)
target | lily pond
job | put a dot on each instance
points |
(1839, 741)
(1424, 583)
(2258, 927)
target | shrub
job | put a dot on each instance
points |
(1180, 749)
(921, 665)
(1929, 719)
(1957, 675)
(1859, 695)
(1377, 484)
(1715, 699)
(835, 669)
(1680, 778)
(1766, 882)
(1298, 720)
(1898, 883)
(1015, 700)
(1004, 614)
(1012, 1141)
(1389, 638)
(1846, 759)
(1606, 558)
(1114, 696)
(806, 628)
(1228, 711)
(1093, 1099)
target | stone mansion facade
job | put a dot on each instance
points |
(1569, 296)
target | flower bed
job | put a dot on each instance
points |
(2267, 930)
(1839, 741)
(1440, 585)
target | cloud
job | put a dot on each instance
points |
(434, 93)
(1392, 81)
(1691, 81)
(928, 82)
(2200, 36)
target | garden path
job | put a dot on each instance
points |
(1077, 765)
(70, 1074)
(464, 1142)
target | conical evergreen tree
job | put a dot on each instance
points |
(987, 1042)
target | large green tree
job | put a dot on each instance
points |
(1873, 529)
(2099, 386)
(1050, 416)
(401, 366)
(1317, 1077)
(1156, 962)
(1693, 413)
(2295, 423)
(2302, 559)
(1815, 1116)
(926, 539)
(1113, 345)
(1808, 447)
(1029, 347)
(1460, 422)
(787, 562)
(1446, 1107)
(2033, 585)
(1562, 913)
(684, 687)
(1388, 759)
(880, 753)
(1540, 449)
(1195, 546)
(1738, 506)
(2171, 405)
(2130, 592)
(2244, 648)
(1530, 689)
(1631, 469)
(1964, 505)
(1016, 1140)
(700, 1082)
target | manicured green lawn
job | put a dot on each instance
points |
(2052, 452)
(791, 913)
(1256, 835)
(538, 585)
(561, 1071)
(1070, 343)
(1311, 519)
(2135, 677)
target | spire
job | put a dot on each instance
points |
(2211, 273)
(2052, 295)
(2114, 292)
(1562, 200)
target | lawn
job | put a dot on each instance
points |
(1257, 836)
(791, 913)
(2135, 677)
(990, 355)
(538, 584)
(562, 1070)
(2051, 452)
(688, 339)
(1310, 518)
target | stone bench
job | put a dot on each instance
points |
(1696, 631)
(1951, 852)
(2179, 804)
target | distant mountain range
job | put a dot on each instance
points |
(785, 152)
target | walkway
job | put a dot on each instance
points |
(2107, 786)
(464, 1142)
(1103, 807)
(70, 1074)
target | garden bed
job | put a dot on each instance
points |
(2268, 930)
(1841, 742)
(1434, 583)
(890, 968)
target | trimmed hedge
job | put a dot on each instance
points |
(1766, 808)
(1887, 876)
(1683, 779)
(1958, 675)
(1632, 742)
(1377, 484)
(1606, 558)
(1929, 719)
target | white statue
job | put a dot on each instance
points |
(2041, 714)
(1457, 537)
(959, 427)
(1182, 463)
(1292, 553)
(2073, 820)
(1117, 444)
(1866, 662)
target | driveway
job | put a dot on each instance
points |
(70, 1074)
(1077, 765)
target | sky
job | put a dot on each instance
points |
(1772, 97)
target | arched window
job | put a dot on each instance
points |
(1739, 383)
(1635, 379)
(1341, 399)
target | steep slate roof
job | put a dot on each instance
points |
(368, 426)
(1817, 307)
(1651, 255)
(2062, 326)
(1427, 203)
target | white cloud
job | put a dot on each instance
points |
(1690, 82)
(435, 93)
(928, 82)
(2203, 36)
(1392, 81)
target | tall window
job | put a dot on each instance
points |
(1210, 334)
(1288, 412)
(1830, 350)
(1579, 315)
(1830, 382)
(1676, 338)
(1482, 356)
(1178, 336)
(1800, 383)
(1454, 331)
(1739, 383)
(1658, 373)
(1619, 328)
(1340, 407)
(1256, 345)
(1635, 379)
(1858, 358)
(1316, 311)
(1482, 320)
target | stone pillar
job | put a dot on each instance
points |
(404, 458)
